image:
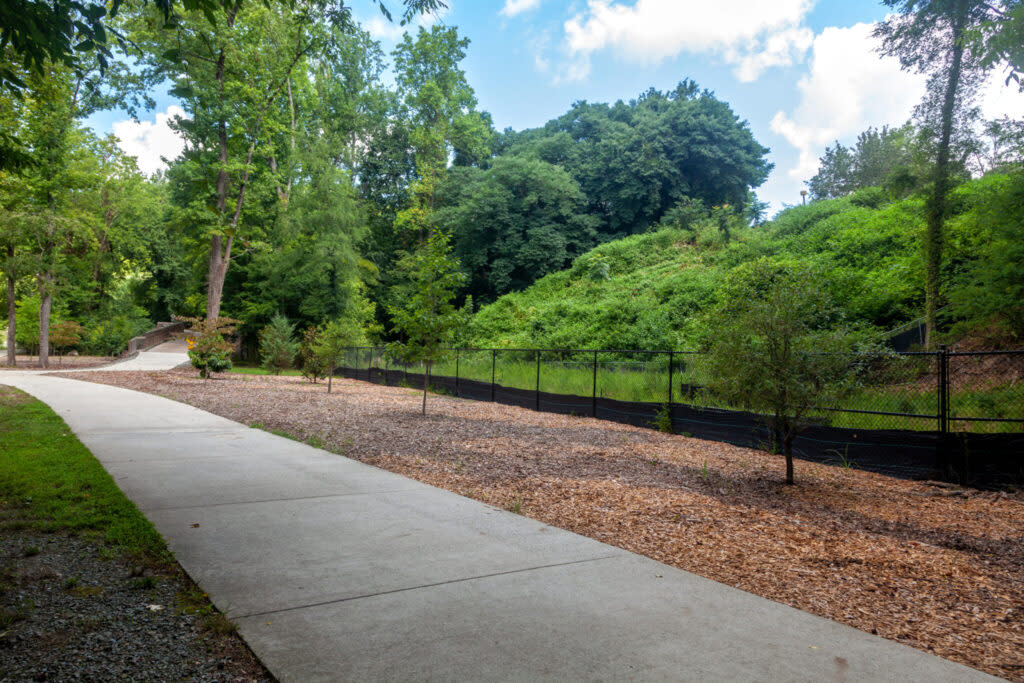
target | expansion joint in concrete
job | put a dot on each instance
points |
(425, 585)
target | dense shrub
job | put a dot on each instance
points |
(110, 336)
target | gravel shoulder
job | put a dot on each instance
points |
(70, 611)
(88, 589)
(933, 567)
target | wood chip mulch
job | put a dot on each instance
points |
(931, 566)
(57, 363)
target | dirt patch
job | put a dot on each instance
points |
(9, 396)
(937, 568)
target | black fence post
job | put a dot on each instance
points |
(494, 360)
(593, 393)
(942, 372)
(457, 372)
(369, 364)
(387, 364)
(538, 380)
(671, 365)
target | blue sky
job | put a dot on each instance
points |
(802, 73)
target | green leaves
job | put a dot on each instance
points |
(428, 319)
(278, 347)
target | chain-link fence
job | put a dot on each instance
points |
(912, 414)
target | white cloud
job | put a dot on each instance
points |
(382, 29)
(148, 141)
(848, 88)
(752, 35)
(514, 7)
(999, 99)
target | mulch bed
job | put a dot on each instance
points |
(57, 363)
(934, 567)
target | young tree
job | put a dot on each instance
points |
(334, 338)
(313, 366)
(932, 37)
(278, 347)
(64, 335)
(428, 320)
(777, 346)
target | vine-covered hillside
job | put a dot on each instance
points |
(647, 291)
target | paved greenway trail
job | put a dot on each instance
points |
(335, 570)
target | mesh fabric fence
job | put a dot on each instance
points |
(913, 414)
(892, 391)
(638, 376)
(986, 392)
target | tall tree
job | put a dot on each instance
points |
(931, 37)
(513, 223)
(232, 71)
(441, 110)
(1000, 40)
(878, 158)
(634, 161)
(11, 239)
(47, 216)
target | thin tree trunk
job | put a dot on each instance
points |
(426, 385)
(218, 263)
(329, 378)
(933, 244)
(788, 447)
(45, 304)
(11, 317)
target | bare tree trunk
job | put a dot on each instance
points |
(329, 378)
(218, 263)
(45, 304)
(220, 258)
(788, 447)
(218, 270)
(11, 317)
(426, 385)
(936, 211)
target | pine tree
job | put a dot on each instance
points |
(278, 347)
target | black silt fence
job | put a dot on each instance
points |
(673, 398)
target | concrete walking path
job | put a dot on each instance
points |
(335, 570)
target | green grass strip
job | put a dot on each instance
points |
(50, 482)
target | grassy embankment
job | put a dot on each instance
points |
(50, 482)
